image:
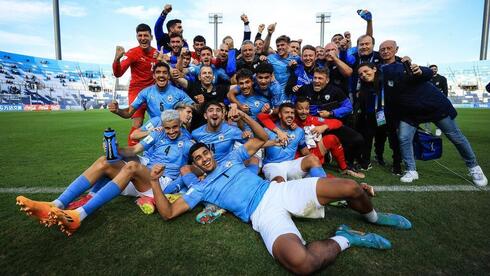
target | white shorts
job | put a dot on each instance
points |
(289, 170)
(272, 217)
(131, 190)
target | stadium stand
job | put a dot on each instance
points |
(33, 83)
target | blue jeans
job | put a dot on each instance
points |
(449, 128)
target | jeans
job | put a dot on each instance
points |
(448, 126)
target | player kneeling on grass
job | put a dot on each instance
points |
(132, 178)
(269, 205)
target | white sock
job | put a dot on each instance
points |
(58, 204)
(343, 242)
(82, 212)
(371, 216)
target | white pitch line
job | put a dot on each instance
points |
(431, 188)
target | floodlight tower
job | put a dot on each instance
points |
(215, 18)
(322, 18)
(57, 32)
(484, 31)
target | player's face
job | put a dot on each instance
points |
(206, 75)
(204, 159)
(319, 81)
(177, 28)
(198, 45)
(161, 76)
(331, 48)
(365, 46)
(248, 52)
(282, 48)
(302, 110)
(336, 39)
(223, 51)
(259, 45)
(172, 129)
(214, 115)
(294, 48)
(287, 115)
(366, 73)
(387, 50)
(186, 60)
(176, 44)
(308, 58)
(245, 86)
(206, 57)
(434, 70)
(185, 115)
(264, 80)
(229, 42)
(144, 39)
(320, 53)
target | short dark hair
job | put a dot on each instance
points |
(143, 28)
(244, 74)
(160, 64)
(321, 70)
(199, 38)
(173, 35)
(207, 48)
(368, 64)
(365, 35)
(283, 38)
(433, 65)
(337, 35)
(264, 67)
(284, 105)
(308, 47)
(195, 147)
(172, 23)
(210, 103)
(302, 99)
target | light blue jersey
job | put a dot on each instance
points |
(280, 66)
(278, 154)
(162, 150)
(231, 186)
(220, 142)
(155, 122)
(157, 101)
(255, 102)
(273, 92)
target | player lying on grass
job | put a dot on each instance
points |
(128, 178)
(269, 205)
(313, 128)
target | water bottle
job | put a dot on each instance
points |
(110, 145)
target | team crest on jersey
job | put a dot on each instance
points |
(221, 137)
(257, 103)
(170, 98)
(320, 119)
(327, 97)
(376, 60)
(148, 139)
(291, 136)
(180, 144)
(391, 83)
(228, 164)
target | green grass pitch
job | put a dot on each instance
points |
(50, 149)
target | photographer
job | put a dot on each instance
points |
(408, 91)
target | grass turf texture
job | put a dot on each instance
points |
(51, 149)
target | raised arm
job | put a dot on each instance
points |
(159, 33)
(125, 113)
(267, 41)
(247, 33)
(118, 67)
(166, 209)
(260, 136)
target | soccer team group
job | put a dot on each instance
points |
(248, 131)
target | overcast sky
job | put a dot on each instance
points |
(436, 31)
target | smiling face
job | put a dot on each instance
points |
(282, 48)
(286, 115)
(245, 86)
(144, 39)
(248, 52)
(302, 110)
(259, 45)
(223, 51)
(172, 129)
(161, 76)
(214, 116)
(206, 75)
(388, 50)
(185, 115)
(319, 81)
(365, 46)
(204, 159)
(294, 48)
(263, 80)
(176, 44)
(206, 57)
(308, 58)
(366, 73)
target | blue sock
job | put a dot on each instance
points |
(174, 186)
(99, 184)
(108, 192)
(74, 190)
(253, 168)
(190, 179)
(317, 172)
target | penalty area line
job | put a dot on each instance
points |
(398, 188)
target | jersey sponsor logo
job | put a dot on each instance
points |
(391, 83)
(327, 97)
(180, 144)
(221, 137)
(170, 98)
